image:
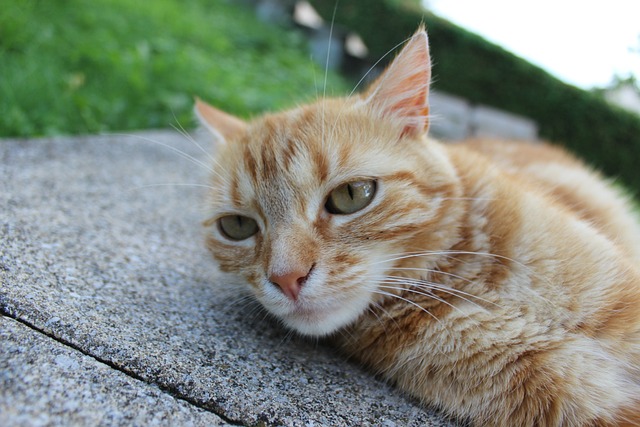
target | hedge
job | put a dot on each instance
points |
(469, 66)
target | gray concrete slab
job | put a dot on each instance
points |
(44, 382)
(101, 250)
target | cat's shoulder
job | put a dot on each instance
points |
(564, 180)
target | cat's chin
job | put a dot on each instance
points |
(315, 326)
(318, 322)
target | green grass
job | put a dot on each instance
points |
(77, 66)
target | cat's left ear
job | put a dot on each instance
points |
(401, 93)
(224, 126)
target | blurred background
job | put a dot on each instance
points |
(564, 71)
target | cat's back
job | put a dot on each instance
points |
(566, 180)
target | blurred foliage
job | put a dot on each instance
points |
(469, 66)
(77, 66)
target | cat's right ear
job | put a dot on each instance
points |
(401, 93)
(223, 126)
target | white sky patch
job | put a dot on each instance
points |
(584, 43)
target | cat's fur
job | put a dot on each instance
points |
(497, 281)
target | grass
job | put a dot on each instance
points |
(76, 66)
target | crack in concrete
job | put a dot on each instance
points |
(6, 312)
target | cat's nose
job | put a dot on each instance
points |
(290, 283)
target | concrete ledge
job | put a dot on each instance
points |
(120, 319)
(44, 382)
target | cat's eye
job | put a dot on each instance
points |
(237, 227)
(351, 197)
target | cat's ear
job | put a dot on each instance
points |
(402, 91)
(224, 127)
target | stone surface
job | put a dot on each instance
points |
(101, 253)
(43, 382)
(453, 118)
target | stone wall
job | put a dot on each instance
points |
(456, 118)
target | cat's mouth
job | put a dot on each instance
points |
(320, 305)
(322, 319)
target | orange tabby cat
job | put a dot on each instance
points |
(496, 281)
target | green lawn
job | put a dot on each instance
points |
(78, 66)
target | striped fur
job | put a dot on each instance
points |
(496, 281)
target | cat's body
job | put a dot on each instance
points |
(555, 339)
(467, 274)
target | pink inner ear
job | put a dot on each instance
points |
(416, 107)
(403, 89)
(217, 121)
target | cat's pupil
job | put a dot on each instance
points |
(237, 227)
(351, 197)
(350, 188)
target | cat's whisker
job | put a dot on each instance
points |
(430, 286)
(345, 333)
(453, 253)
(404, 255)
(250, 309)
(386, 313)
(249, 301)
(409, 255)
(315, 79)
(212, 170)
(471, 198)
(447, 253)
(372, 309)
(410, 288)
(428, 293)
(233, 298)
(441, 286)
(171, 184)
(326, 70)
(418, 254)
(181, 130)
(288, 337)
(179, 152)
(377, 306)
(456, 252)
(246, 306)
(373, 67)
(514, 261)
(389, 294)
(430, 270)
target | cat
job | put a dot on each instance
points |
(497, 281)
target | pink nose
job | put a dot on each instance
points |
(291, 283)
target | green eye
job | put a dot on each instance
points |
(351, 197)
(237, 227)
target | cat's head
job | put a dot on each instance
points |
(313, 207)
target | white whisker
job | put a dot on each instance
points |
(371, 309)
(426, 294)
(326, 68)
(377, 291)
(443, 287)
(181, 153)
(453, 253)
(470, 198)
(386, 313)
(430, 286)
(169, 184)
(376, 64)
(430, 270)
(192, 140)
